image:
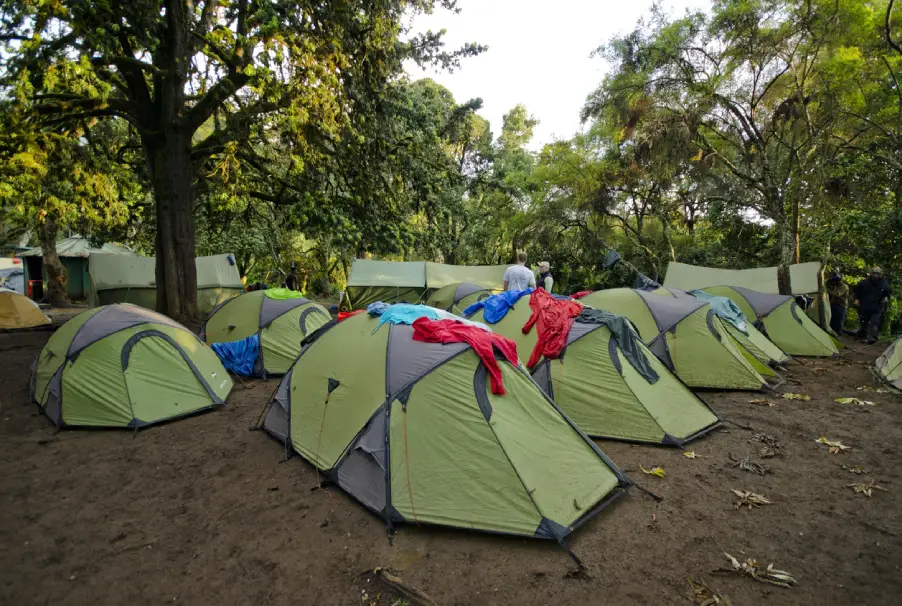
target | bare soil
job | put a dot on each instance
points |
(203, 511)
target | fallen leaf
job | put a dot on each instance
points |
(796, 396)
(749, 499)
(748, 465)
(771, 575)
(766, 452)
(691, 455)
(866, 488)
(855, 401)
(874, 389)
(768, 440)
(835, 446)
(654, 471)
(818, 369)
(763, 402)
(702, 595)
(857, 469)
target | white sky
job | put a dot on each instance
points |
(538, 54)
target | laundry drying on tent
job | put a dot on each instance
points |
(781, 321)
(686, 335)
(496, 306)
(889, 365)
(606, 380)
(457, 296)
(18, 311)
(276, 319)
(412, 431)
(125, 366)
(760, 351)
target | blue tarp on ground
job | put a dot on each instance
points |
(239, 356)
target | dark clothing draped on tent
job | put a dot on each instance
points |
(643, 282)
(496, 306)
(483, 342)
(552, 319)
(626, 337)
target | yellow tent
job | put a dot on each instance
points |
(18, 311)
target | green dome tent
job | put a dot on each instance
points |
(752, 342)
(412, 431)
(125, 366)
(458, 296)
(889, 365)
(281, 318)
(781, 320)
(595, 385)
(686, 335)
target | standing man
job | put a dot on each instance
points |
(546, 280)
(838, 291)
(519, 277)
(871, 297)
(291, 280)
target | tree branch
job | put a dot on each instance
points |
(887, 27)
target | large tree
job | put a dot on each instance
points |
(196, 78)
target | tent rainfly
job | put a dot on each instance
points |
(889, 365)
(18, 311)
(411, 281)
(597, 386)
(781, 320)
(686, 335)
(457, 296)
(281, 319)
(132, 279)
(125, 366)
(763, 353)
(762, 279)
(413, 432)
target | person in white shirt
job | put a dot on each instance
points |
(546, 280)
(519, 277)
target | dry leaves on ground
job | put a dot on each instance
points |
(748, 465)
(702, 595)
(866, 488)
(856, 469)
(855, 401)
(690, 454)
(763, 402)
(766, 452)
(874, 389)
(749, 499)
(771, 575)
(768, 440)
(835, 446)
(654, 471)
(796, 396)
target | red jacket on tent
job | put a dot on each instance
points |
(552, 319)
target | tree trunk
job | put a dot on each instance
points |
(786, 234)
(796, 232)
(57, 277)
(176, 274)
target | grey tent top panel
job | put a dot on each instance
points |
(579, 330)
(408, 360)
(270, 309)
(762, 303)
(114, 318)
(465, 289)
(668, 311)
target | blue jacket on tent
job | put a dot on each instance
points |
(239, 356)
(496, 306)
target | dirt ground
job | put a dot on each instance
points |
(203, 510)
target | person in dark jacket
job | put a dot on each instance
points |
(871, 296)
(838, 292)
(291, 280)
